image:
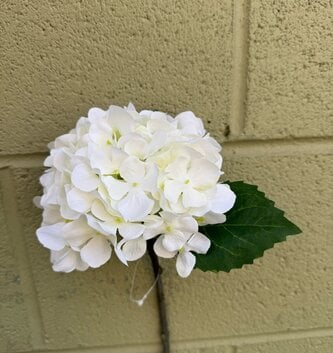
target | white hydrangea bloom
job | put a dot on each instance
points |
(122, 177)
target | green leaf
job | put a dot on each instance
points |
(253, 225)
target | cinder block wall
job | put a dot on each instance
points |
(260, 73)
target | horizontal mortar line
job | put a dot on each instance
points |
(256, 338)
(231, 341)
(272, 147)
(308, 145)
(24, 160)
(124, 348)
(18, 245)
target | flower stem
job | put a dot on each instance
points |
(165, 338)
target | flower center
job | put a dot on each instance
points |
(118, 220)
(201, 219)
(117, 175)
(116, 135)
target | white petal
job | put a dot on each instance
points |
(99, 211)
(68, 213)
(186, 224)
(120, 119)
(80, 264)
(200, 211)
(131, 107)
(95, 114)
(61, 160)
(132, 169)
(135, 206)
(47, 179)
(117, 189)
(51, 215)
(149, 182)
(185, 263)
(117, 157)
(158, 141)
(96, 226)
(51, 236)
(134, 249)
(146, 112)
(50, 196)
(100, 158)
(66, 260)
(107, 159)
(36, 201)
(84, 178)
(162, 128)
(172, 190)
(79, 201)
(77, 232)
(160, 249)
(173, 242)
(131, 230)
(161, 116)
(210, 149)
(176, 208)
(168, 217)
(203, 174)
(178, 168)
(224, 199)
(100, 131)
(211, 218)
(199, 243)
(134, 145)
(193, 198)
(153, 226)
(119, 252)
(97, 252)
(191, 125)
(48, 162)
(109, 227)
(65, 140)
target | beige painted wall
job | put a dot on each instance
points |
(261, 69)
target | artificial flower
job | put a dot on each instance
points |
(122, 178)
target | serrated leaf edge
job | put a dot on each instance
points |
(255, 187)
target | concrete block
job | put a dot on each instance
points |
(60, 58)
(306, 345)
(290, 69)
(14, 323)
(291, 287)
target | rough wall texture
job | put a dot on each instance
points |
(260, 73)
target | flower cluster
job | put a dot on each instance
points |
(122, 177)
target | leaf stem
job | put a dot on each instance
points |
(165, 337)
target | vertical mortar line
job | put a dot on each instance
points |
(241, 9)
(19, 248)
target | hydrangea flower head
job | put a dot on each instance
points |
(121, 178)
